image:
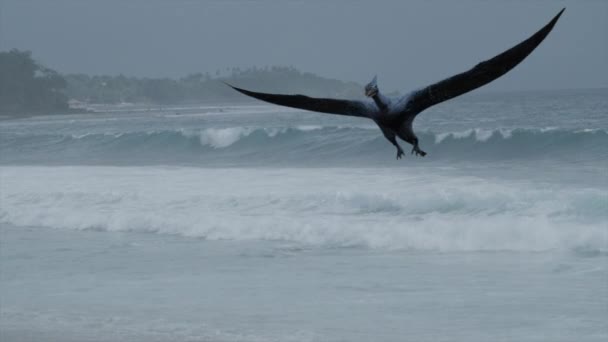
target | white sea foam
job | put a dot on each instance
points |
(389, 211)
(308, 128)
(480, 135)
(223, 137)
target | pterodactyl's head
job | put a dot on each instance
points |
(371, 89)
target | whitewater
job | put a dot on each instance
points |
(250, 222)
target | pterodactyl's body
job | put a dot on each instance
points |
(395, 116)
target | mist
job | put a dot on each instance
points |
(408, 44)
(181, 170)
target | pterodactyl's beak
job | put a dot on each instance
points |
(371, 89)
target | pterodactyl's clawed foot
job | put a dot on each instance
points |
(400, 153)
(418, 151)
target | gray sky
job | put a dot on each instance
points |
(408, 44)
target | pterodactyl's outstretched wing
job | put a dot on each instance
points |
(482, 74)
(331, 106)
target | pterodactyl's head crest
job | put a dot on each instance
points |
(371, 89)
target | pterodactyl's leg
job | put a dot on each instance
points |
(417, 149)
(390, 135)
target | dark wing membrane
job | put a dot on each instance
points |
(331, 106)
(482, 74)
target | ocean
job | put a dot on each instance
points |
(251, 222)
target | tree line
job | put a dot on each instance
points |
(199, 87)
(28, 86)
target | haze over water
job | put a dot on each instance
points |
(250, 222)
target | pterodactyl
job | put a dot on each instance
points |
(395, 116)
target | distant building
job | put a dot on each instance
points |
(75, 104)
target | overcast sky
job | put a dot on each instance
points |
(408, 44)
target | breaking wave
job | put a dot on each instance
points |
(380, 209)
(250, 145)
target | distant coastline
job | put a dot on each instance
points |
(29, 88)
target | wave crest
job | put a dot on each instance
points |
(309, 207)
(307, 144)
